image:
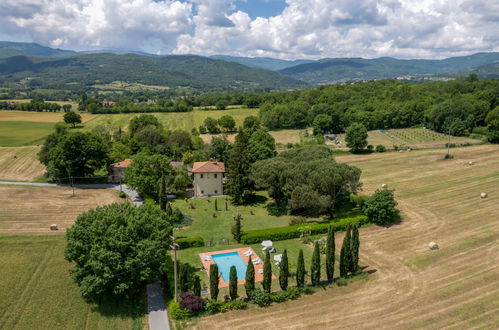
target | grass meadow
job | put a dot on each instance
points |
(36, 291)
(20, 163)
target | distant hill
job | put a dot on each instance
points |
(347, 69)
(8, 49)
(190, 71)
(485, 71)
(262, 62)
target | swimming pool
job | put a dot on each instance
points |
(225, 260)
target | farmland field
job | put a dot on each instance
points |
(20, 163)
(172, 120)
(413, 287)
(411, 137)
(33, 209)
(39, 117)
(36, 291)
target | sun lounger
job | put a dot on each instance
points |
(256, 261)
(207, 258)
(248, 253)
(260, 271)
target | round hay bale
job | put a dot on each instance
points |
(409, 149)
(483, 195)
(384, 186)
(471, 163)
(53, 227)
(433, 246)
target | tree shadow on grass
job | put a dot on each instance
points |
(133, 307)
(253, 200)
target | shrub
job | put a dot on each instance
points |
(370, 147)
(297, 221)
(293, 293)
(290, 232)
(191, 302)
(233, 305)
(213, 306)
(261, 298)
(122, 194)
(187, 242)
(177, 313)
(380, 207)
(279, 297)
(380, 148)
(308, 290)
(341, 282)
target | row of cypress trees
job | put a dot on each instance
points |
(349, 259)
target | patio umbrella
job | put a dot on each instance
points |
(278, 257)
(267, 243)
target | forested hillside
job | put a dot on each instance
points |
(170, 71)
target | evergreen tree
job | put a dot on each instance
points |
(233, 283)
(237, 228)
(162, 193)
(196, 285)
(216, 205)
(214, 279)
(300, 270)
(330, 251)
(315, 269)
(267, 273)
(226, 205)
(354, 246)
(239, 184)
(345, 255)
(169, 210)
(284, 271)
(184, 278)
(249, 285)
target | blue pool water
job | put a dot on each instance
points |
(225, 260)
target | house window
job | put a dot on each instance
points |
(202, 191)
(216, 191)
(215, 177)
(201, 175)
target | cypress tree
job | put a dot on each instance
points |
(330, 251)
(237, 228)
(250, 278)
(216, 205)
(284, 271)
(214, 279)
(354, 246)
(196, 286)
(267, 273)
(315, 269)
(300, 270)
(226, 204)
(162, 193)
(184, 278)
(233, 283)
(239, 184)
(345, 255)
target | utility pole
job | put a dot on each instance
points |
(72, 185)
(174, 246)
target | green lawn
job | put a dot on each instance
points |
(208, 227)
(172, 120)
(36, 291)
(23, 133)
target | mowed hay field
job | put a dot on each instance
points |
(411, 137)
(172, 120)
(24, 128)
(36, 291)
(31, 209)
(20, 163)
(454, 287)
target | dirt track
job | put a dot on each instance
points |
(454, 287)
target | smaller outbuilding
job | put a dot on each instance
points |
(208, 178)
(116, 171)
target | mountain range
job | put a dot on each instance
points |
(39, 66)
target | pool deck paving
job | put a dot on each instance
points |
(207, 262)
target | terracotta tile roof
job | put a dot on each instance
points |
(123, 164)
(208, 167)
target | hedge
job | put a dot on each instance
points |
(289, 232)
(187, 242)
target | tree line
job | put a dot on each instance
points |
(37, 105)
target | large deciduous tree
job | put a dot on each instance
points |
(356, 137)
(117, 249)
(261, 145)
(380, 207)
(72, 118)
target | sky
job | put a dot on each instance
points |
(285, 29)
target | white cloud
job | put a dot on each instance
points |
(305, 28)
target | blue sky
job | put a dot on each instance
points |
(305, 29)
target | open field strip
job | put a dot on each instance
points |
(26, 209)
(36, 291)
(20, 164)
(172, 120)
(39, 117)
(454, 287)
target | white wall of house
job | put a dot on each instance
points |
(208, 184)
